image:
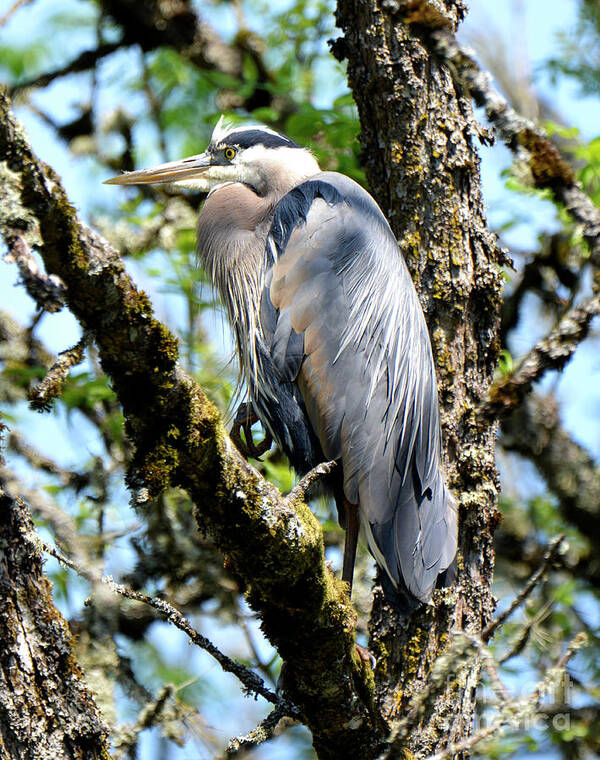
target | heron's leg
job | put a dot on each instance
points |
(244, 419)
(352, 526)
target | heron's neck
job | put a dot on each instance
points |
(232, 232)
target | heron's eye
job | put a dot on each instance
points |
(229, 153)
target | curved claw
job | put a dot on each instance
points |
(244, 419)
(366, 656)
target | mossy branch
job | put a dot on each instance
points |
(274, 547)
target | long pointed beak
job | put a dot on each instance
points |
(173, 171)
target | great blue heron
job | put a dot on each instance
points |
(332, 341)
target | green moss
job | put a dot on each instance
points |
(158, 467)
(548, 167)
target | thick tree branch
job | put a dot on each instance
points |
(418, 136)
(277, 550)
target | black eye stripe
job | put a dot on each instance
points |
(248, 138)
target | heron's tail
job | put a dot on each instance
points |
(416, 548)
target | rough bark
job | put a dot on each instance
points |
(46, 710)
(417, 134)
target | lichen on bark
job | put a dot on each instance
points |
(418, 136)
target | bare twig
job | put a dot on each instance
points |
(148, 716)
(523, 636)
(251, 681)
(70, 478)
(552, 352)
(44, 393)
(84, 61)
(260, 665)
(13, 9)
(46, 290)
(551, 555)
(514, 710)
(571, 472)
(262, 733)
(300, 489)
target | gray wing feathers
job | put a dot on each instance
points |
(367, 379)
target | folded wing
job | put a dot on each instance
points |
(343, 325)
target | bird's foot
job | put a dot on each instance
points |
(244, 419)
(365, 655)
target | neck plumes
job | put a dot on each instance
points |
(232, 233)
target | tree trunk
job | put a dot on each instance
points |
(422, 167)
(46, 710)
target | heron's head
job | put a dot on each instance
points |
(256, 156)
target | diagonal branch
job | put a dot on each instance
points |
(275, 548)
(154, 23)
(550, 353)
(42, 395)
(84, 62)
(262, 733)
(534, 431)
(551, 555)
(549, 170)
(251, 681)
(47, 292)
